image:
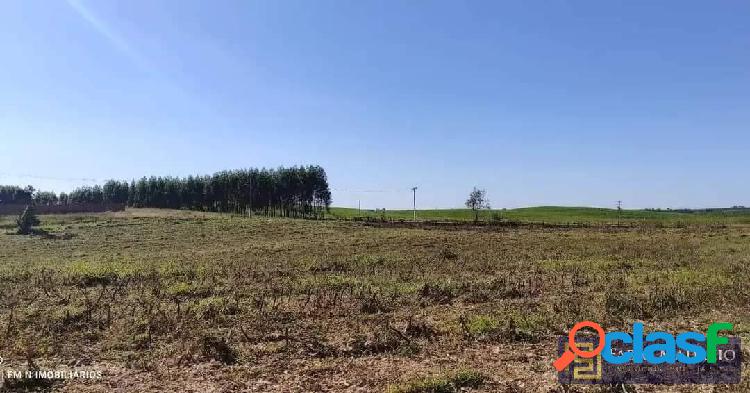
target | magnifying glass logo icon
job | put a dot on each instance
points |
(569, 355)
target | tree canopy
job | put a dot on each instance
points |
(477, 200)
(16, 195)
(290, 192)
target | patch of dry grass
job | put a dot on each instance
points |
(234, 303)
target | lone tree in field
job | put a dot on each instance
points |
(27, 220)
(477, 201)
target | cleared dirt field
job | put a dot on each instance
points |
(186, 301)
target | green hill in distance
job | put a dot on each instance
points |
(562, 214)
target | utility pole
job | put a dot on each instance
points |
(619, 212)
(359, 207)
(414, 190)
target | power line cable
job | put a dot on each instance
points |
(28, 176)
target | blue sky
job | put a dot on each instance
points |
(538, 102)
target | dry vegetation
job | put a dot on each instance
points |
(182, 301)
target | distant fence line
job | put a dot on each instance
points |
(7, 209)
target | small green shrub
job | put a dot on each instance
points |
(483, 325)
(26, 221)
(215, 306)
(452, 383)
(442, 292)
(529, 327)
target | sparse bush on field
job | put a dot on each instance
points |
(86, 274)
(667, 294)
(450, 383)
(512, 327)
(420, 329)
(317, 347)
(373, 304)
(383, 338)
(448, 253)
(506, 286)
(217, 349)
(481, 326)
(26, 221)
(213, 307)
(515, 285)
(329, 267)
(438, 292)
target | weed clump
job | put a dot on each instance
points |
(385, 339)
(455, 382)
(214, 348)
(373, 305)
(316, 347)
(440, 293)
(513, 329)
(213, 307)
(447, 253)
(656, 303)
(420, 329)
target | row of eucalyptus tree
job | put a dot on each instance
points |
(290, 192)
(16, 195)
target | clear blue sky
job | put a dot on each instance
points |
(539, 102)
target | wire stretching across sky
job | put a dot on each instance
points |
(67, 179)
(370, 191)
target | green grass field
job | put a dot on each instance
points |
(560, 214)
